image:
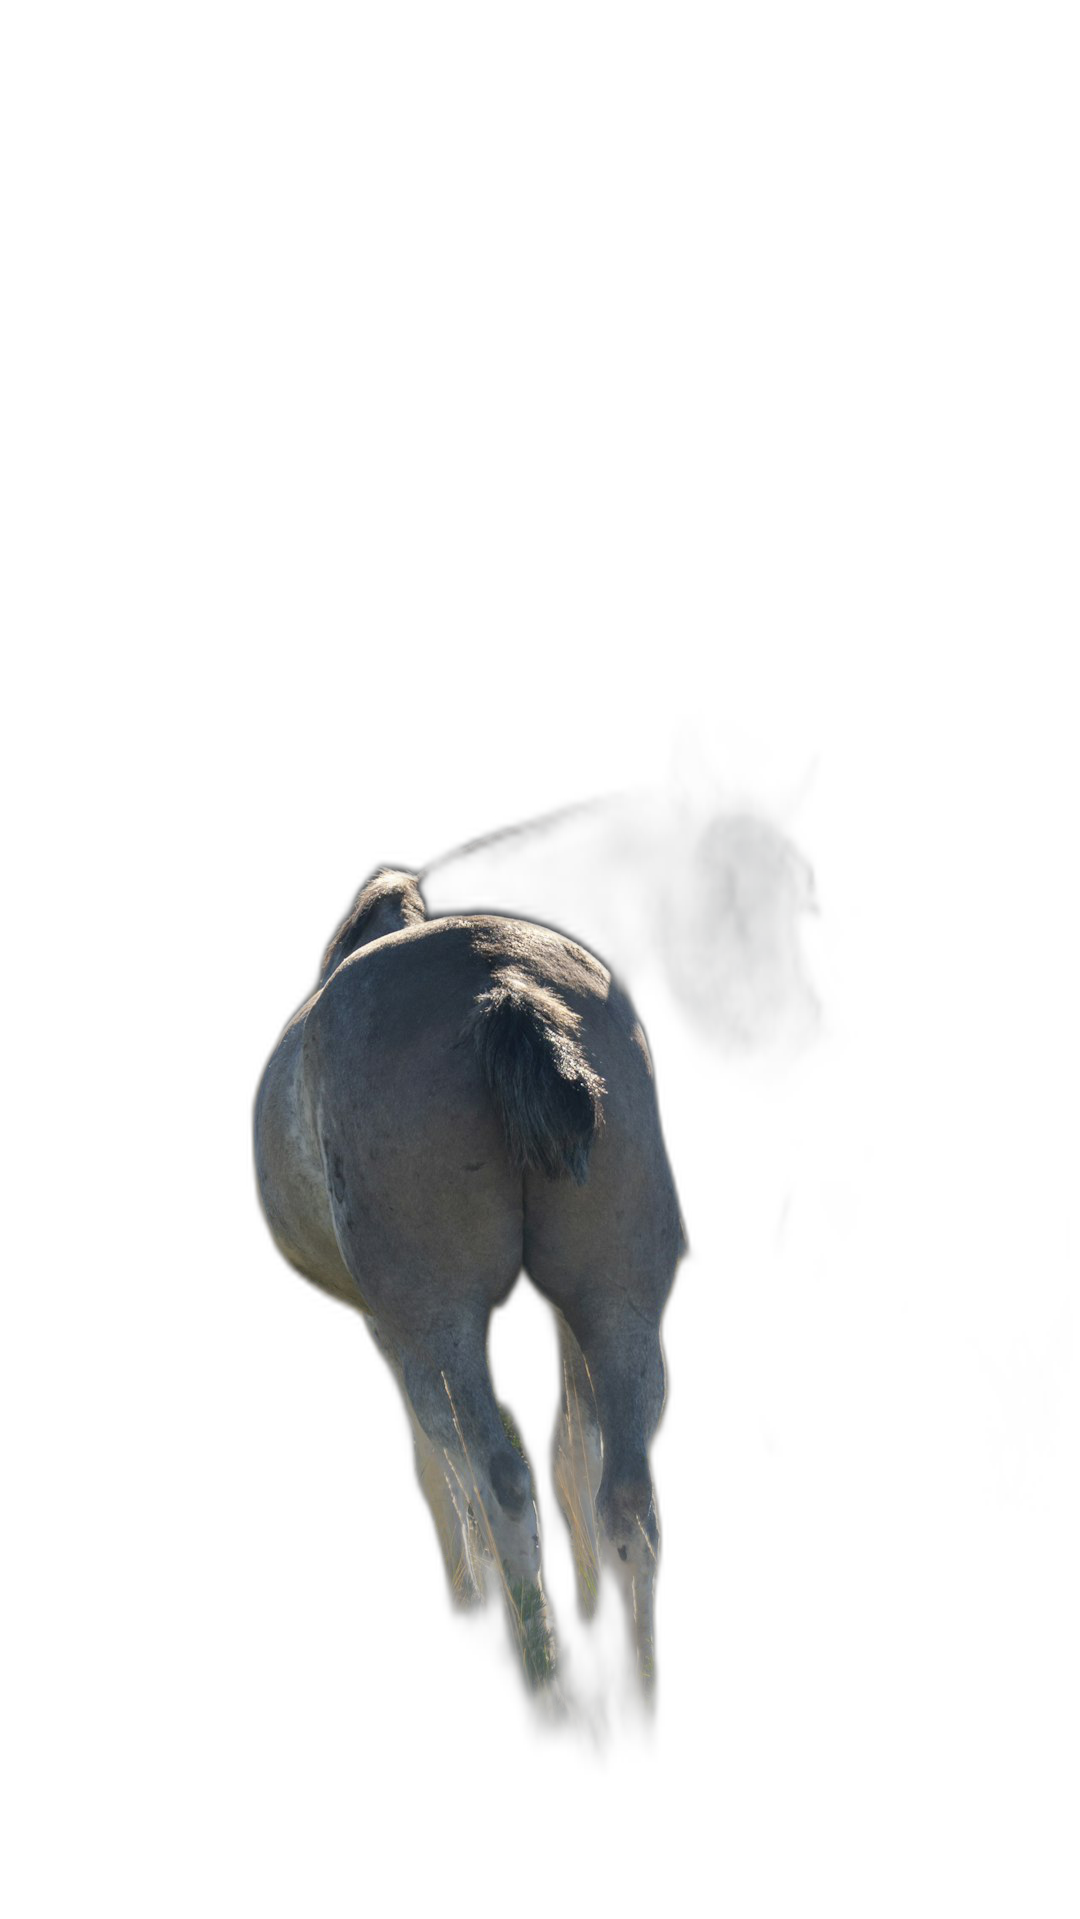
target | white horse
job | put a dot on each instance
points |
(460, 1099)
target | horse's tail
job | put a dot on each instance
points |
(546, 1094)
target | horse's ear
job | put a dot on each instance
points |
(386, 903)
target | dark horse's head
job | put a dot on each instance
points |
(729, 947)
(386, 903)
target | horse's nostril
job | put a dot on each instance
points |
(622, 1552)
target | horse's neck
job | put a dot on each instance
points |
(593, 874)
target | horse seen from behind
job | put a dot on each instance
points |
(460, 1099)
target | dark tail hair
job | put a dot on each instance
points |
(545, 1092)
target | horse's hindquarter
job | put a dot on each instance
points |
(623, 1226)
(390, 1160)
(426, 1205)
(289, 1168)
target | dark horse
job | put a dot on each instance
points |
(695, 904)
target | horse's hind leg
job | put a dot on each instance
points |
(448, 1385)
(626, 1366)
(440, 1483)
(578, 1463)
(455, 1523)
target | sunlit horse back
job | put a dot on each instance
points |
(462, 1098)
